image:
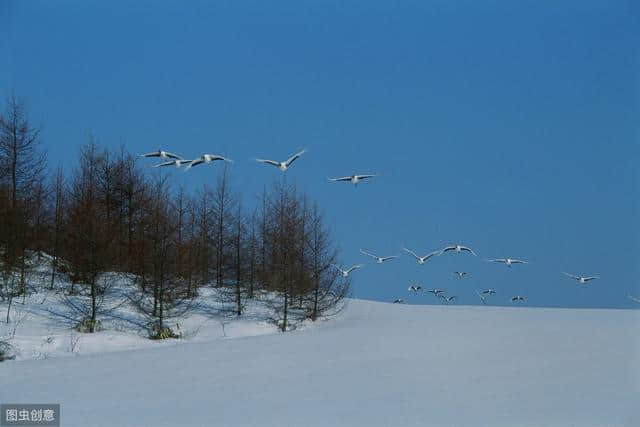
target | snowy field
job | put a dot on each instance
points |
(377, 364)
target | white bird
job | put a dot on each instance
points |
(379, 259)
(507, 261)
(583, 280)
(283, 166)
(398, 301)
(458, 249)
(422, 259)
(489, 292)
(448, 299)
(207, 158)
(483, 298)
(176, 162)
(345, 273)
(414, 288)
(436, 291)
(518, 298)
(354, 179)
(162, 154)
(634, 299)
(460, 274)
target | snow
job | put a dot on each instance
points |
(376, 364)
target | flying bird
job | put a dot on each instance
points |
(398, 301)
(483, 298)
(162, 154)
(345, 273)
(458, 249)
(460, 274)
(176, 162)
(518, 298)
(634, 299)
(354, 179)
(489, 292)
(283, 166)
(379, 259)
(507, 261)
(414, 288)
(436, 291)
(422, 259)
(207, 158)
(448, 299)
(581, 279)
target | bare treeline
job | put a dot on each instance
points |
(108, 215)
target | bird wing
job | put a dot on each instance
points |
(384, 258)
(365, 176)
(294, 157)
(586, 279)
(464, 248)
(634, 299)
(447, 249)
(411, 252)
(342, 178)
(434, 253)
(518, 261)
(169, 163)
(368, 254)
(172, 155)
(152, 154)
(355, 267)
(215, 157)
(195, 162)
(270, 162)
(572, 276)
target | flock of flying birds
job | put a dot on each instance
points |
(440, 293)
(172, 159)
(177, 161)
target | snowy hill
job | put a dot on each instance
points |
(376, 365)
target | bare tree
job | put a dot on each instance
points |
(88, 232)
(22, 163)
(163, 292)
(57, 218)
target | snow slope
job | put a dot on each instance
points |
(376, 365)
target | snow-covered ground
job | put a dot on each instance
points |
(377, 364)
(41, 327)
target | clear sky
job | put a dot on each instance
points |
(511, 127)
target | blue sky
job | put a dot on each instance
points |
(511, 127)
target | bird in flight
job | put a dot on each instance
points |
(176, 162)
(354, 179)
(436, 291)
(458, 249)
(283, 166)
(489, 292)
(379, 259)
(207, 158)
(518, 298)
(414, 288)
(483, 298)
(448, 299)
(345, 273)
(398, 301)
(460, 274)
(422, 259)
(507, 261)
(162, 154)
(634, 299)
(581, 279)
